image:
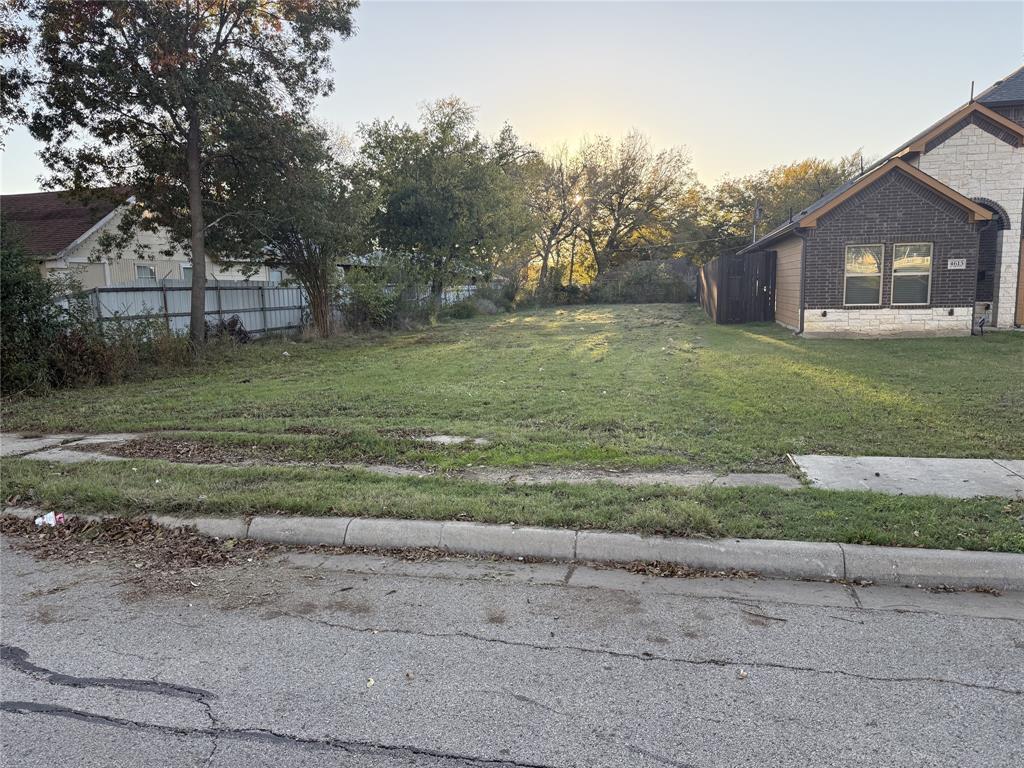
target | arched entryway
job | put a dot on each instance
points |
(989, 246)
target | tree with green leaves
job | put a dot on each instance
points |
(302, 209)
(450, 201)
(140, 95)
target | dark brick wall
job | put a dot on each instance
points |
(895, 209)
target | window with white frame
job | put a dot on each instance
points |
(862, 282)
(145, 272)
(276, 276)
(911, 273)
(186, 273)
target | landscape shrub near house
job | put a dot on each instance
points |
(640, 282)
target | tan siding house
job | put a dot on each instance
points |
(788, 257)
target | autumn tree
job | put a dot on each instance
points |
(727, 210)
(556, 200)
(140, 94)
(632, 197)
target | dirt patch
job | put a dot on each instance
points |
(181, 451)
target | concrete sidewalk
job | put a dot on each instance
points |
(955, 478)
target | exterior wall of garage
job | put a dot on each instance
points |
(788, 275)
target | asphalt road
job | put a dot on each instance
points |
(364, 661)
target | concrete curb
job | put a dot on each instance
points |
(814, 561)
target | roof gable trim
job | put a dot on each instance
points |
(921, 142)
(975, 212)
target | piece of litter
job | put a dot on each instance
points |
(51, 519)
(741, 675)
(369, 682)
(285, 354)
(194, 583)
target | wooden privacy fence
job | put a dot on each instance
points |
(739, 289)
(262, 307)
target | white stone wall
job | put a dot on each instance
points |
(977, 164)
(888, 321)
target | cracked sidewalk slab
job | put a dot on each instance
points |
(910, 476)
(806, 560)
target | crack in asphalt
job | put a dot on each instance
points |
(17, 659)
(262, 735)
(646, 656)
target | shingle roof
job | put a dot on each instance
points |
(48, 222)
(1009, 90)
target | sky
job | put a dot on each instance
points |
(741, 85)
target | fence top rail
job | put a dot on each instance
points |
(209, 287)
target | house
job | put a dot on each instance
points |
(926, 241)
(62, 233)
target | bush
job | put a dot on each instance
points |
(30, 321)
(461, 310)
(50, 337)
(640, 282)
(368, 301)
(485, 306)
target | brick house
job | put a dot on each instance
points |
(926, 241)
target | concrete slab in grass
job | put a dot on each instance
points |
(66, 456)
(791, 559)
(308, 531)
(955, 478)
(508, 540)
(16, 445)
(743, 479)
(385, 533)
(934, 567)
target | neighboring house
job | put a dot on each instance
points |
(62, 234)
(926, 241)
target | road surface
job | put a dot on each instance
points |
(358, 660)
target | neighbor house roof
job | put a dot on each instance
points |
(48, 222)
(808, 217)
(1009, 90)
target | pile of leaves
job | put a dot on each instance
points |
(137, 541)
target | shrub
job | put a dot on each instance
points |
(485, 306)
(30, 321)
(641, 282)
(368, 301)
(461, 310)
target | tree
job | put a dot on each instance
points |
(139, 95)
(16, 76)
(727, 210)
(632, 197)
(556, 198)
(299, 207)
(449, 200)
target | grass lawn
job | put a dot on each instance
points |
(611, 386)
(145, 486)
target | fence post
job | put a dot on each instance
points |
(263, 310)
(167, 311)
(98, 307)
(220, 306)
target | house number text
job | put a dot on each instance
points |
(957, 264)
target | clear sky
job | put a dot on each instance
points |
(742, 85)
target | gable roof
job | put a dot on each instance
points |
(48, 222)
(808, 217)
(920, 142)
(1009, 90)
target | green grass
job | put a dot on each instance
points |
(613, 386)
(135, 487)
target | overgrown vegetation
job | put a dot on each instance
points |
(50, 337)
(599, 385)
(147, 487)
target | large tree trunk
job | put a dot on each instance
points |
(197, 323)
(318, 290)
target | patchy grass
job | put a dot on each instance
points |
(612, 386)
(144, 486)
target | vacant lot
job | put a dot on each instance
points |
(612, 386)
